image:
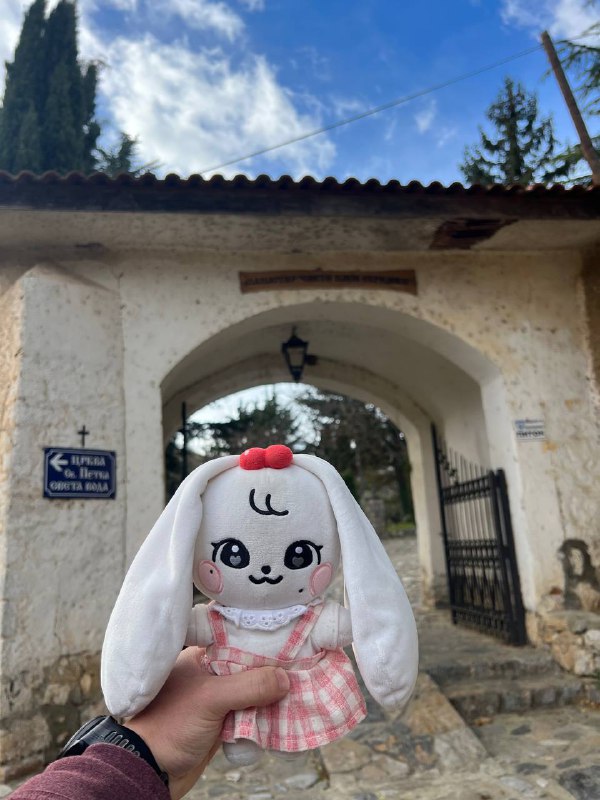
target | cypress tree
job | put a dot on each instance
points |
(28, 151)
(523, 149)
(23, 95)
(47, 120)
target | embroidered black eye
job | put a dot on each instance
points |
(232, 553)
(302, 554)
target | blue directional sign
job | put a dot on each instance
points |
(85, 474)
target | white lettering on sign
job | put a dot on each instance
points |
(530, 430)
(87, 461)
(94, 474)
(92, 486)
(78, 473)
(66, 486)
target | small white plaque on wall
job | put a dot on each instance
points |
(530, 430)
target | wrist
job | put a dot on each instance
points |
(106, 730)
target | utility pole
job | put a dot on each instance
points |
(587, 148)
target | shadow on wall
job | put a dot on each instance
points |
(582, 578)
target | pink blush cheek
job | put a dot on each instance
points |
(209, 576)
(320, 579)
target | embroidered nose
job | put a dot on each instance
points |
(265, 570)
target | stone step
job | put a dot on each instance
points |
(483, 699)
(507, 664)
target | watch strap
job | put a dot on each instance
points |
(106, 730)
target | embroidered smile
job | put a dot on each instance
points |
(266, 580)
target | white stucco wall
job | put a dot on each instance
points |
(519, 311)
(64, 558)
(488, 339)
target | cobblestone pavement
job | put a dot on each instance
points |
(430, 752)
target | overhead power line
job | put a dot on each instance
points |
(384, 107)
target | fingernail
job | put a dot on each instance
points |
(282, 678)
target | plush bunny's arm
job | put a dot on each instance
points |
(333, 628)
(199, 631)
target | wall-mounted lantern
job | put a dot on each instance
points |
(295, 354)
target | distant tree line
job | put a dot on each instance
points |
(359, 440)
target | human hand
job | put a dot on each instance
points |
(182, 725)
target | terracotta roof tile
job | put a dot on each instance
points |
(266, 195)
(283, 182)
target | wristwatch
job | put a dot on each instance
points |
(106, 730)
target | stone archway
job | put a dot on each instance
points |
(386, 359)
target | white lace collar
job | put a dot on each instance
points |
(263, 620)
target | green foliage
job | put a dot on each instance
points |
(523, 147)
(575, 164)
(364, 446)
(122, 158)
(583, 61)
(28, 153)
(23, 94)
(47, 120)
(254, 426)
(357, 438)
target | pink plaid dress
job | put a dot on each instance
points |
(324, 701)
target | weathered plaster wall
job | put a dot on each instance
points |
(64, 558)
(10, 369)
(590, 285)
(519, 312)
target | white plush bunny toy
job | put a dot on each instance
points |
(262, 535)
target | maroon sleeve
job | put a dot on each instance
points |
(103, 772)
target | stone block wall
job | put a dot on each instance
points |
(573, 637)
(42, 710)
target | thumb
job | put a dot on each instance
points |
(253, 687)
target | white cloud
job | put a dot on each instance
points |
(193, 109)
(204, 15)
(424, 118)
(319, 64)
(124, 5)
(446, 134)
(389, 129)
(342, 107)
(562, 18)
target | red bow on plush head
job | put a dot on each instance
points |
(277, 456)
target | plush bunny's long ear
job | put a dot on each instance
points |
(383, 625)
(147, 627)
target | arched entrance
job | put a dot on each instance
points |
(415, 372)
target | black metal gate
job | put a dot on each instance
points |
(483, 579)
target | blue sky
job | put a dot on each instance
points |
(203, 81)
